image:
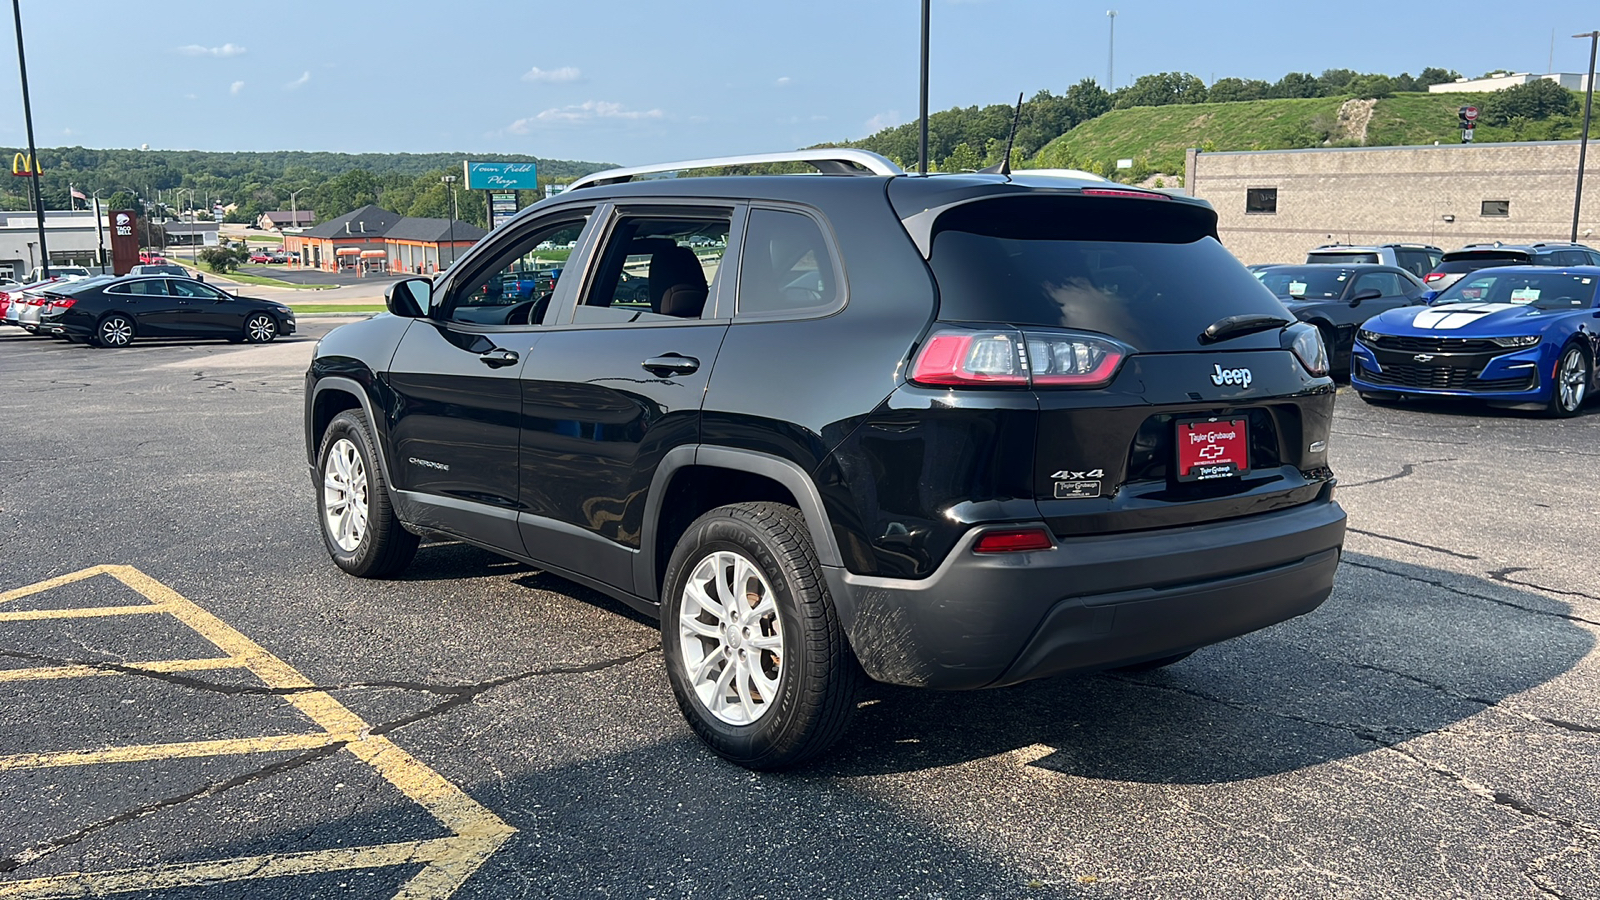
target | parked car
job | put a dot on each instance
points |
(954, 431)
(1418, 259)
(1337, 299)
(17, 302)
(260, 256)
(1473, 257)
(159, 269)
(112, 313)
(66, 273)
(151, 257)
(1517, 336)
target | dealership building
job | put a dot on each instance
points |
(373, 240)
(1274, 205)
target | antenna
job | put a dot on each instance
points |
(1003, 167)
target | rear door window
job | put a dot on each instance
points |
(1417, 262)
(1150, 272)
(786, 266)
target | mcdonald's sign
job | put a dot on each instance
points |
(22, 166)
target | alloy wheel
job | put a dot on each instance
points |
(1573, 382)
(732, 638)
(116, 332)
(344, 495)
(261, 329)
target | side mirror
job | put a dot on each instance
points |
(1428, 296)
(410, 298)
(1365, 294)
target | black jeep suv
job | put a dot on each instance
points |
(954, 431)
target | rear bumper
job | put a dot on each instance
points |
(1092, 602)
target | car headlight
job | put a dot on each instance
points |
(1368, 337)
(1523, 340)
(1309, 349)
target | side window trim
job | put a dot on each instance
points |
(829, 239)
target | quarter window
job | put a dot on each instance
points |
(1497, 208)
(657, 268)
(786, 266)
(1261, 200)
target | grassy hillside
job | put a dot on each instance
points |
(1156, 136)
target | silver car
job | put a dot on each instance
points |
(19, 306)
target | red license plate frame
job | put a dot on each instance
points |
(1212, 448)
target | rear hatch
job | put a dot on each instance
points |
(1169, 387)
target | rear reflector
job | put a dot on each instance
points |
(1013, 540)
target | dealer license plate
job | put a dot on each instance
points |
(1213, 448)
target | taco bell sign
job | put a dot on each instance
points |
(124, 240)
(501, 176)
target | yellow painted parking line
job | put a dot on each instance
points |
(181, 750)
(87, 612)
(312, 862)
(447, 862)
(159, 666)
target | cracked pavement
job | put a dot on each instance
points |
(1431, 731)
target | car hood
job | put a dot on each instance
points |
(1462, 319)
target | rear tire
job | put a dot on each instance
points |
(753, 647)
(115, 330)
(1574, 375)
(358, 524)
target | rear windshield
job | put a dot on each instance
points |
(1347, 258)
(1474, 263)
(1307, 282)
(1150, 274)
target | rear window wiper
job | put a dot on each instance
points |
(1238, 326)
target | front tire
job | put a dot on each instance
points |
(359, 526)
(757, 659)
(1574, 374)
(115, 330)
(260, 328)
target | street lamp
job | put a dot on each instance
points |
(1583, 140)
(449, 181)
(1111, 52)
(193, 253)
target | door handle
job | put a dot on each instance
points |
(671, 364)
(495, 359)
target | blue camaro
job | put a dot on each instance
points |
(1517, 336)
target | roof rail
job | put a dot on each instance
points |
(837, 161)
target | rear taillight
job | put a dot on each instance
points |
(64, 303)
(1015, 358)
(1432, 277)
(1013, 540)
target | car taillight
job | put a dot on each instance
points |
(1013, 540)
(1133, 195)
(1015, 358)
(1432, 277)
(64, 303)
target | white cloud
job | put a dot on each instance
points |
(592, 109)
(552, 76)
(785, 81)
(883, 120)
(224, 50)
(300, 82)
(235, 88)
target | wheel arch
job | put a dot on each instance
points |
(330, 397)
(694, 479)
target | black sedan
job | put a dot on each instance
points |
(1337, 299)
(112, 312)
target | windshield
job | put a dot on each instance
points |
(1540, 290)
(1307, 282)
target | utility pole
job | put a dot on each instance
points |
(1583, 140)
(1111, 52)
(449, 181)
(33, 153)
(922, 142)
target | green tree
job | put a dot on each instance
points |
(223, 260)
(1295, 84)
(1434, 75)
(962, 159)
(1534, 101)
(1162, 89)
(1087, 100)
(1232, 90)
(1371, 87)
(1333, 82)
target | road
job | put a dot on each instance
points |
(195, 703)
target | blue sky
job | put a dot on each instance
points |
(636, 82)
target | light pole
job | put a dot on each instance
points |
(1583, 139)
(33, 153)
(1111, 52)
(294, 212)
(193, 253)
(449, 181)
(922, 102)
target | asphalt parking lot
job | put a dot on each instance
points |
(195, 703)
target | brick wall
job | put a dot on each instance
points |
(1368, 195)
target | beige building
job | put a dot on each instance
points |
(1274, 205)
